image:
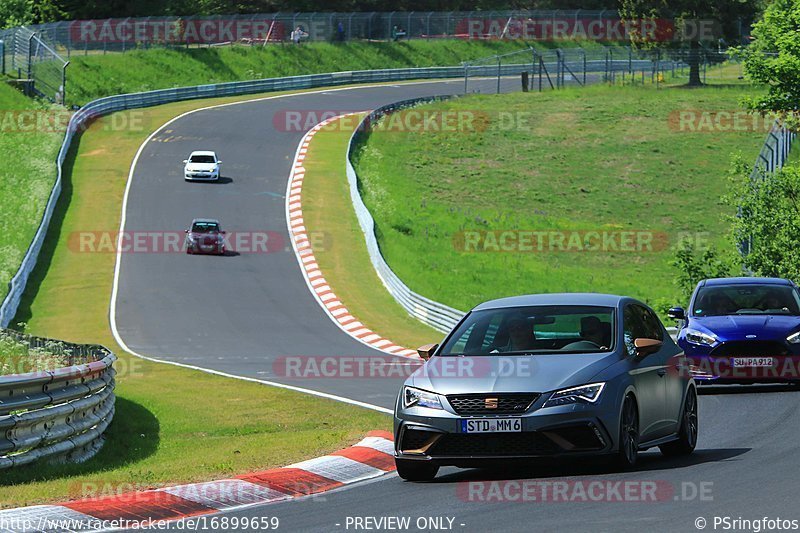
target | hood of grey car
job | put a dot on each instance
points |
(530, 373)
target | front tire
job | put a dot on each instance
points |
(687, 436)
(628, 452)
(416, 470)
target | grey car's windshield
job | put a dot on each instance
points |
(535, 329)
(202, 159)
(746, 299)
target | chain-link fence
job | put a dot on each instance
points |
(123, 34)
(28, 56)
(558, 68)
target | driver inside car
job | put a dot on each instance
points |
(592, 331)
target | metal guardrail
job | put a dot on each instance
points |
(57, 414)
(110, 104)
(437, 315)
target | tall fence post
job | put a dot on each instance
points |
(30, 56)
(64, 84)
(3, 57)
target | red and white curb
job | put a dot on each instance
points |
(308, 263)
(369, 458)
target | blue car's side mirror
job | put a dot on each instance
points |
(677, 313)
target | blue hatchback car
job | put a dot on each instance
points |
(742, 330)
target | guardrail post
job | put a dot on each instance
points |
(499, 66)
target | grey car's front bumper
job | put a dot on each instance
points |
(423, 434)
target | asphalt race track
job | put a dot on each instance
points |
(238, 314)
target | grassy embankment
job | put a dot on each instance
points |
(600, 158)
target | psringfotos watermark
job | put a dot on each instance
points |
(58, 121)
(753, 525)
(583, 490)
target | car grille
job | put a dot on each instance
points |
(750, 349)
(503, 445)
(507, 404)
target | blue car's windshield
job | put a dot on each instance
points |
(535, 329)
(746, 299)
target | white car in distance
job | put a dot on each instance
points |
(202, 165)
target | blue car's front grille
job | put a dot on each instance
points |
(750, 349)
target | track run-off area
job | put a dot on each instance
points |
(239, 314)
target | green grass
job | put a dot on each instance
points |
(344, 261)
(172, 425)
(600, 158)
(18, 357)
(93, 76)
(26, 178)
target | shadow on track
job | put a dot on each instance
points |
(597, 466)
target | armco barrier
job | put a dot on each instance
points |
(434, 314)
(104, 106)
(58, 414)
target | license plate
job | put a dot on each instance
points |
(492, 425)
(753, 362)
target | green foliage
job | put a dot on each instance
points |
(693, 266)
(774, 59)
(18, 357)
(20, 12)
(94, 76)
(769, 220)
(24, 185)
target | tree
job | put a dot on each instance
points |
(769, 220)
(774, 60)
(688, 16)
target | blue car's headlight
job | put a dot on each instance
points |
(412, 396)
(794, 338)
(698, 337)
(585, 393)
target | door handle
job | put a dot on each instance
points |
(662, 372)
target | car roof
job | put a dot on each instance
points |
(568, 298)
(205, 221)
(202, 152)
(746, 281)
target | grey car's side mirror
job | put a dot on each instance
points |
(185, 161)
(677, 313)
(219, 162)
(426, 351)
(645, 347)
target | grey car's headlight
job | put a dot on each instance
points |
(585, 393)
(412, 396)
(794, 338)
(698, 337)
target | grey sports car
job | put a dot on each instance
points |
(543, 376)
